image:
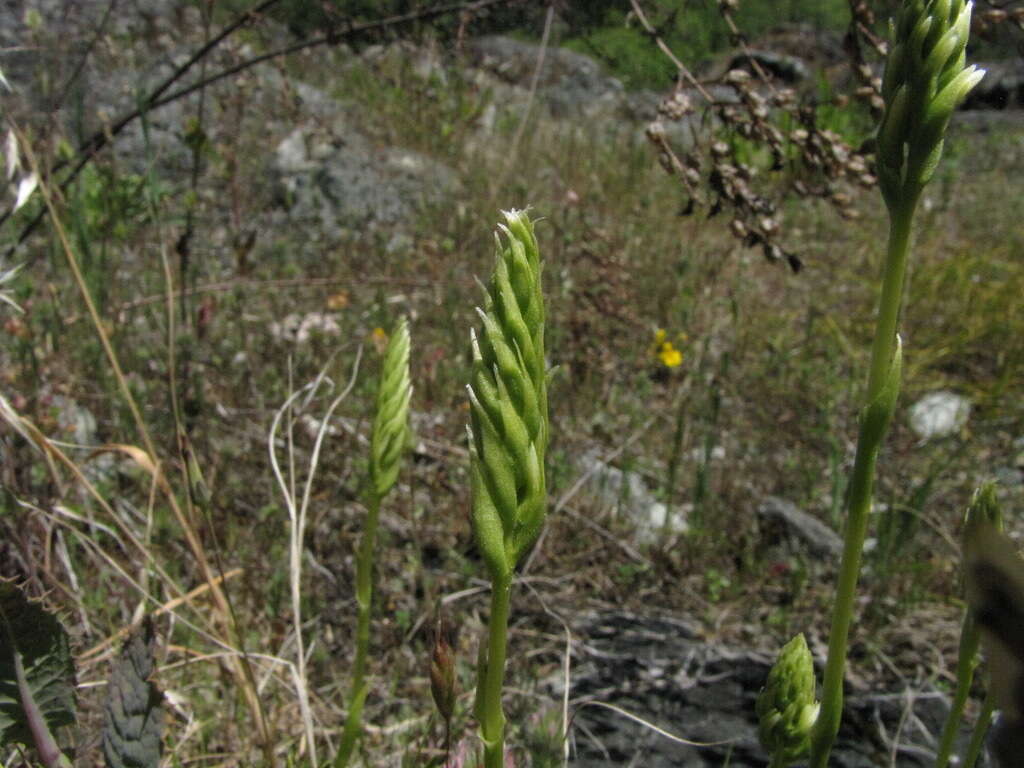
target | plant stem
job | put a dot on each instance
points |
(673, 467)
(966, 662)
(492, 723)
(364, 598)
(862, 481)
(889, 303)
(981, 726)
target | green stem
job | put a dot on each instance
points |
(862, 481)
(966, 662)
(492, 723)
(364, 599)
(980, 730)
(889, 303)
(673, 467)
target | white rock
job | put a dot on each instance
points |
(300, 328)
(292, 156)
(939, 414)
(627, 492)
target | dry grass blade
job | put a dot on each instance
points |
(227, 619)
(647, 724)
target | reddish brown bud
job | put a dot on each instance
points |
(442, 668)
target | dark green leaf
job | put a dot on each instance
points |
(37, 637)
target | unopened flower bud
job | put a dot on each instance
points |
(786, 707)
(442, 668)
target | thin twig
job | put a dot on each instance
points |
(684, 72)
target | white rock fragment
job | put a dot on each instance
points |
(627, 491)
(300, 328)
(939, 414)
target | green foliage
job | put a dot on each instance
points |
(694, 30)
(107, 205)
(628, 53)
(37, 674)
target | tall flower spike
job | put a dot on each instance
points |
(508, 402)
(926, 77)
(391, 422)
(786, 709)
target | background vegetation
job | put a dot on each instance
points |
(762, 402)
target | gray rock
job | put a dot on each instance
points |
(341, 181)
(658, 668)
(75, 422)
(1011, 477)
(423, 61)
(570, 84)
(781, 518)
(787, 68)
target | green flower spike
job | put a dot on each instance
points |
(926, 77)
(508, 437)
(508, 399)
(391, 422)
(786, 708)
(389, 438)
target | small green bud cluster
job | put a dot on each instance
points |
(391, 422)
(508, 401)
(926, 77)
(786, 707)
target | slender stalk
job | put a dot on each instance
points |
(970, 639)
(673, 467)
(925, 78)
(856, 530)
(889, 303)
(884, 359)
(389, 439)
(364, 601)
(493, 724)
(977, 742)
(983, 510)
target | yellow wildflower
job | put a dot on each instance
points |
(665, 350)
(669, 355)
